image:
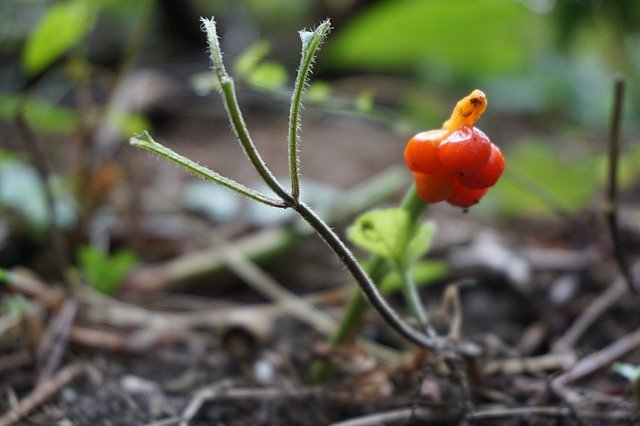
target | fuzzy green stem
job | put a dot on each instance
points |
(228, 91)
(145, 141)
(310, 43)
(416, 306)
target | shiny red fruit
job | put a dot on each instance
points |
(465, 151)
(465, 197)
(488, 174)
(421, 152)
(435, 187)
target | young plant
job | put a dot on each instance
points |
(424, 155)
(400, 250)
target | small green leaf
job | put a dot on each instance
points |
(128, 123)
(363, 102)
(318, 91)
(251, 57)
(42, 115)
(628, 371)
(268, 75)
(382, 232)
(103, 271)
(4, 275)
(421, 240)
(61, 28)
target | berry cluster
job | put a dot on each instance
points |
(459, 163)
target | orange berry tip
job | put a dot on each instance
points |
(467, 111)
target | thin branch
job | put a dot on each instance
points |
(42, 393)
(228, 91)
(599, 360)
(590, 315)
(145, 141)
(311, 41)
(373, 294)
(611, 206)
(403, 416)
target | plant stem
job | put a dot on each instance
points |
(371, 291)
(310, 43)
(412, 297)
(357, 307)
(227, 88)
(611, 206)
(145, 141)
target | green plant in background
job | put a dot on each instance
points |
(105, 272)
(632, 374)
(405, 247)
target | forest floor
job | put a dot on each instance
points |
(195, 337)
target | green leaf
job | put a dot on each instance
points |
(318, 91)
(61, 28)
(103, 271)
(364, 102)
(468, 37)
(4, 275)
(628, 371)
(382, 232)
(128, 123)
(40, 114)
(268, 75)
(251, 57)
(423, 273)
(421, 240)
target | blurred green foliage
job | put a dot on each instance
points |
(105, 272)
(548, 64)
(62, 27)
(468, 37)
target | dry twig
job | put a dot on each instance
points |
(611, 206)
(590, 315)
(42, 393)
(599, 360)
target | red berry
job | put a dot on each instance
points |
(435, 187)
(488, 174)
(421, 153)
(465, 197)
(465, 151)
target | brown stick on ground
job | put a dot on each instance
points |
(599, 360)
(42, 393)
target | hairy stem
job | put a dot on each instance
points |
(145, 141)
(228, 91)
(310, 43)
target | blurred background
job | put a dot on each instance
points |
(78, 78)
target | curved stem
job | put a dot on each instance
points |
(145, 141)
(227, 88)
(412, 297)
(310, 43)
(371, 291)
